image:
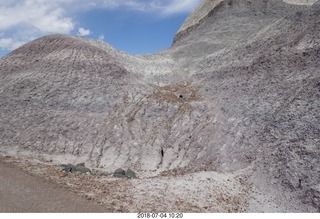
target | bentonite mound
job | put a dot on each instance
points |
(239, 88)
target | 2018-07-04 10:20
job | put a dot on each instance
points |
(160, 215)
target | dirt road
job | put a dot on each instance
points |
(21, 192)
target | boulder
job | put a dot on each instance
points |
(120, 173)
(79, 168)
(130, 174)
(67, 167)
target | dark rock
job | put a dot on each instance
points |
(120, 173)
(130, 174)
(80, 168)
(67, 167)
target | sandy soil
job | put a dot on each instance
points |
(22, 192)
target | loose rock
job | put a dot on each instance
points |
(130, 174)
(79, 168)
(120, 173)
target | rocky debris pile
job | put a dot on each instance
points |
(120, 173)
(79, 168)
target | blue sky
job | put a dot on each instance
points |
(135, 26)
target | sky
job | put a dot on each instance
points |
(134, 26)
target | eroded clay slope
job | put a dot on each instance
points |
(239, 89)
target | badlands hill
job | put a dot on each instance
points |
(238, 93)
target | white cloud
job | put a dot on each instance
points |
(101, 37)
(83, 32)
(36, 14)
(10, 43)
(22, 21)
(179, 6)
(166, 7)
